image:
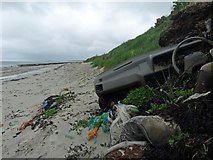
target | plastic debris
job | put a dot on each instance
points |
(95, 123)
(47, 109)
(24, 125)
(123, 117)
(196, 96)
(50, 102)
(93, 133)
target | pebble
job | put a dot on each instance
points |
(64, 119)
(17, 133)
(79, 151)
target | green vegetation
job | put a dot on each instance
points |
(156, 107)
(155, 99)
(144, 43)
(138, 97)
(179, 5)
(49, 113)
(176, 93)
(82, 123)
(140, 45)
(177, 138)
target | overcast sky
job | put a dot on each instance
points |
(73, 31)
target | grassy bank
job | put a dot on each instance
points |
(141, 44)
(144, 43)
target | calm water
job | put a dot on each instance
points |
(8, 66)
(15, 63)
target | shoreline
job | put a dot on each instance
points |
(48, 63)
(24, 69)
(6, 64)
(16, 73)
(20, 100)
(8, 73)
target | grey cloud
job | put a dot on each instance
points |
(61, 31)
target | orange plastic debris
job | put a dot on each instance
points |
(23, 126)
(92, 133)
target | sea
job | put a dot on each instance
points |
(13, 65)
(16, 63)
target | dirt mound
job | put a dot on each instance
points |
(187, 23)
(194, 118)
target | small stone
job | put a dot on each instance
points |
(17, 133)
(56, 132)
(64, 119)
(102, 145)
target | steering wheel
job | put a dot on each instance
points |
(180, 44)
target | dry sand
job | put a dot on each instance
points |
(25, 94)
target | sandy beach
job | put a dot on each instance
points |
(20, 101)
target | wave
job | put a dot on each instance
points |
(24, 75)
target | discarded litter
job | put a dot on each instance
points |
(49, 113)
(24, 125)
(47, 109)
(123, 116)
(152, 128)
(95, 123)
(196, 96)
(51, 102)
(93, 133)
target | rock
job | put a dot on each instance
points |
(11, 124)
(205, 78)
(153, 128)
(17, 133)
(56, 132)
(64, 119)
